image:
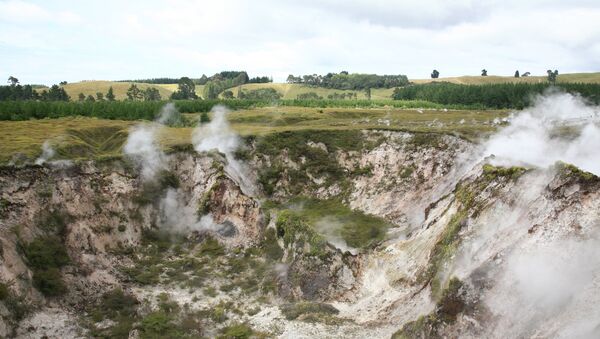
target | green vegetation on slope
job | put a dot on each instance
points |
(450, 305)
(508, 95)
(329, 218)
(466, 196)
(45, 256)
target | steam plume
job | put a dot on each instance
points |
(47, 153)
(330, 228)
(559, 126)
(217, 135)
(179, 217)
(141, 146)
(141, 143)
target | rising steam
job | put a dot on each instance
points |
(559, 127)
(330, 227)
(142, 146)
(47, 153)
(218, 135)
(179, 217)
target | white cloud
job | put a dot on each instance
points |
(17, 11)
(185, 37)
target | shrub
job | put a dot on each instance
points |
(49, 281)
(4, 291)
(116, 304)
(45, 255)
(158, 325)
(236, 331)
(46, 252)
(211, 248)
(293, 311)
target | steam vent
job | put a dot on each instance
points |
(317, 169)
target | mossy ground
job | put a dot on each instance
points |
(359, 230)
(566, 170)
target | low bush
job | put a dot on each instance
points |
(236, 331)
(293, 311)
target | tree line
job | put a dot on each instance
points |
(507, 95)
(551, 75)
(122, 110)
(225, 80)
(349, 81)
(148, 110)
(18, 92)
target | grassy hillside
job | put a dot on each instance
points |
(173, 88)
(495, 79)
(291, 91)
(89, 137)
(119, 88)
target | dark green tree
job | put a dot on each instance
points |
(517, 75)
(435, 74)
(186, 89)
(99, 96)
(90, 98)
(552, 76)
(62, 83)
(203, 80)
(368, 93)
(56, 93)
(228, 94)
(13, 81)
(152, 94)
(110, 95)
(134, 93)
(484, 72)
(211, 90)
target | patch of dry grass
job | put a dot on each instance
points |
(95, 137)
(119, 88)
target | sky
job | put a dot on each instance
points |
(45, 42)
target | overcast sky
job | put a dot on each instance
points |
(50, 41)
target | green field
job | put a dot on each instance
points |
(80, 137)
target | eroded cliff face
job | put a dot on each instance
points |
(467, 254)
(99, 210)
